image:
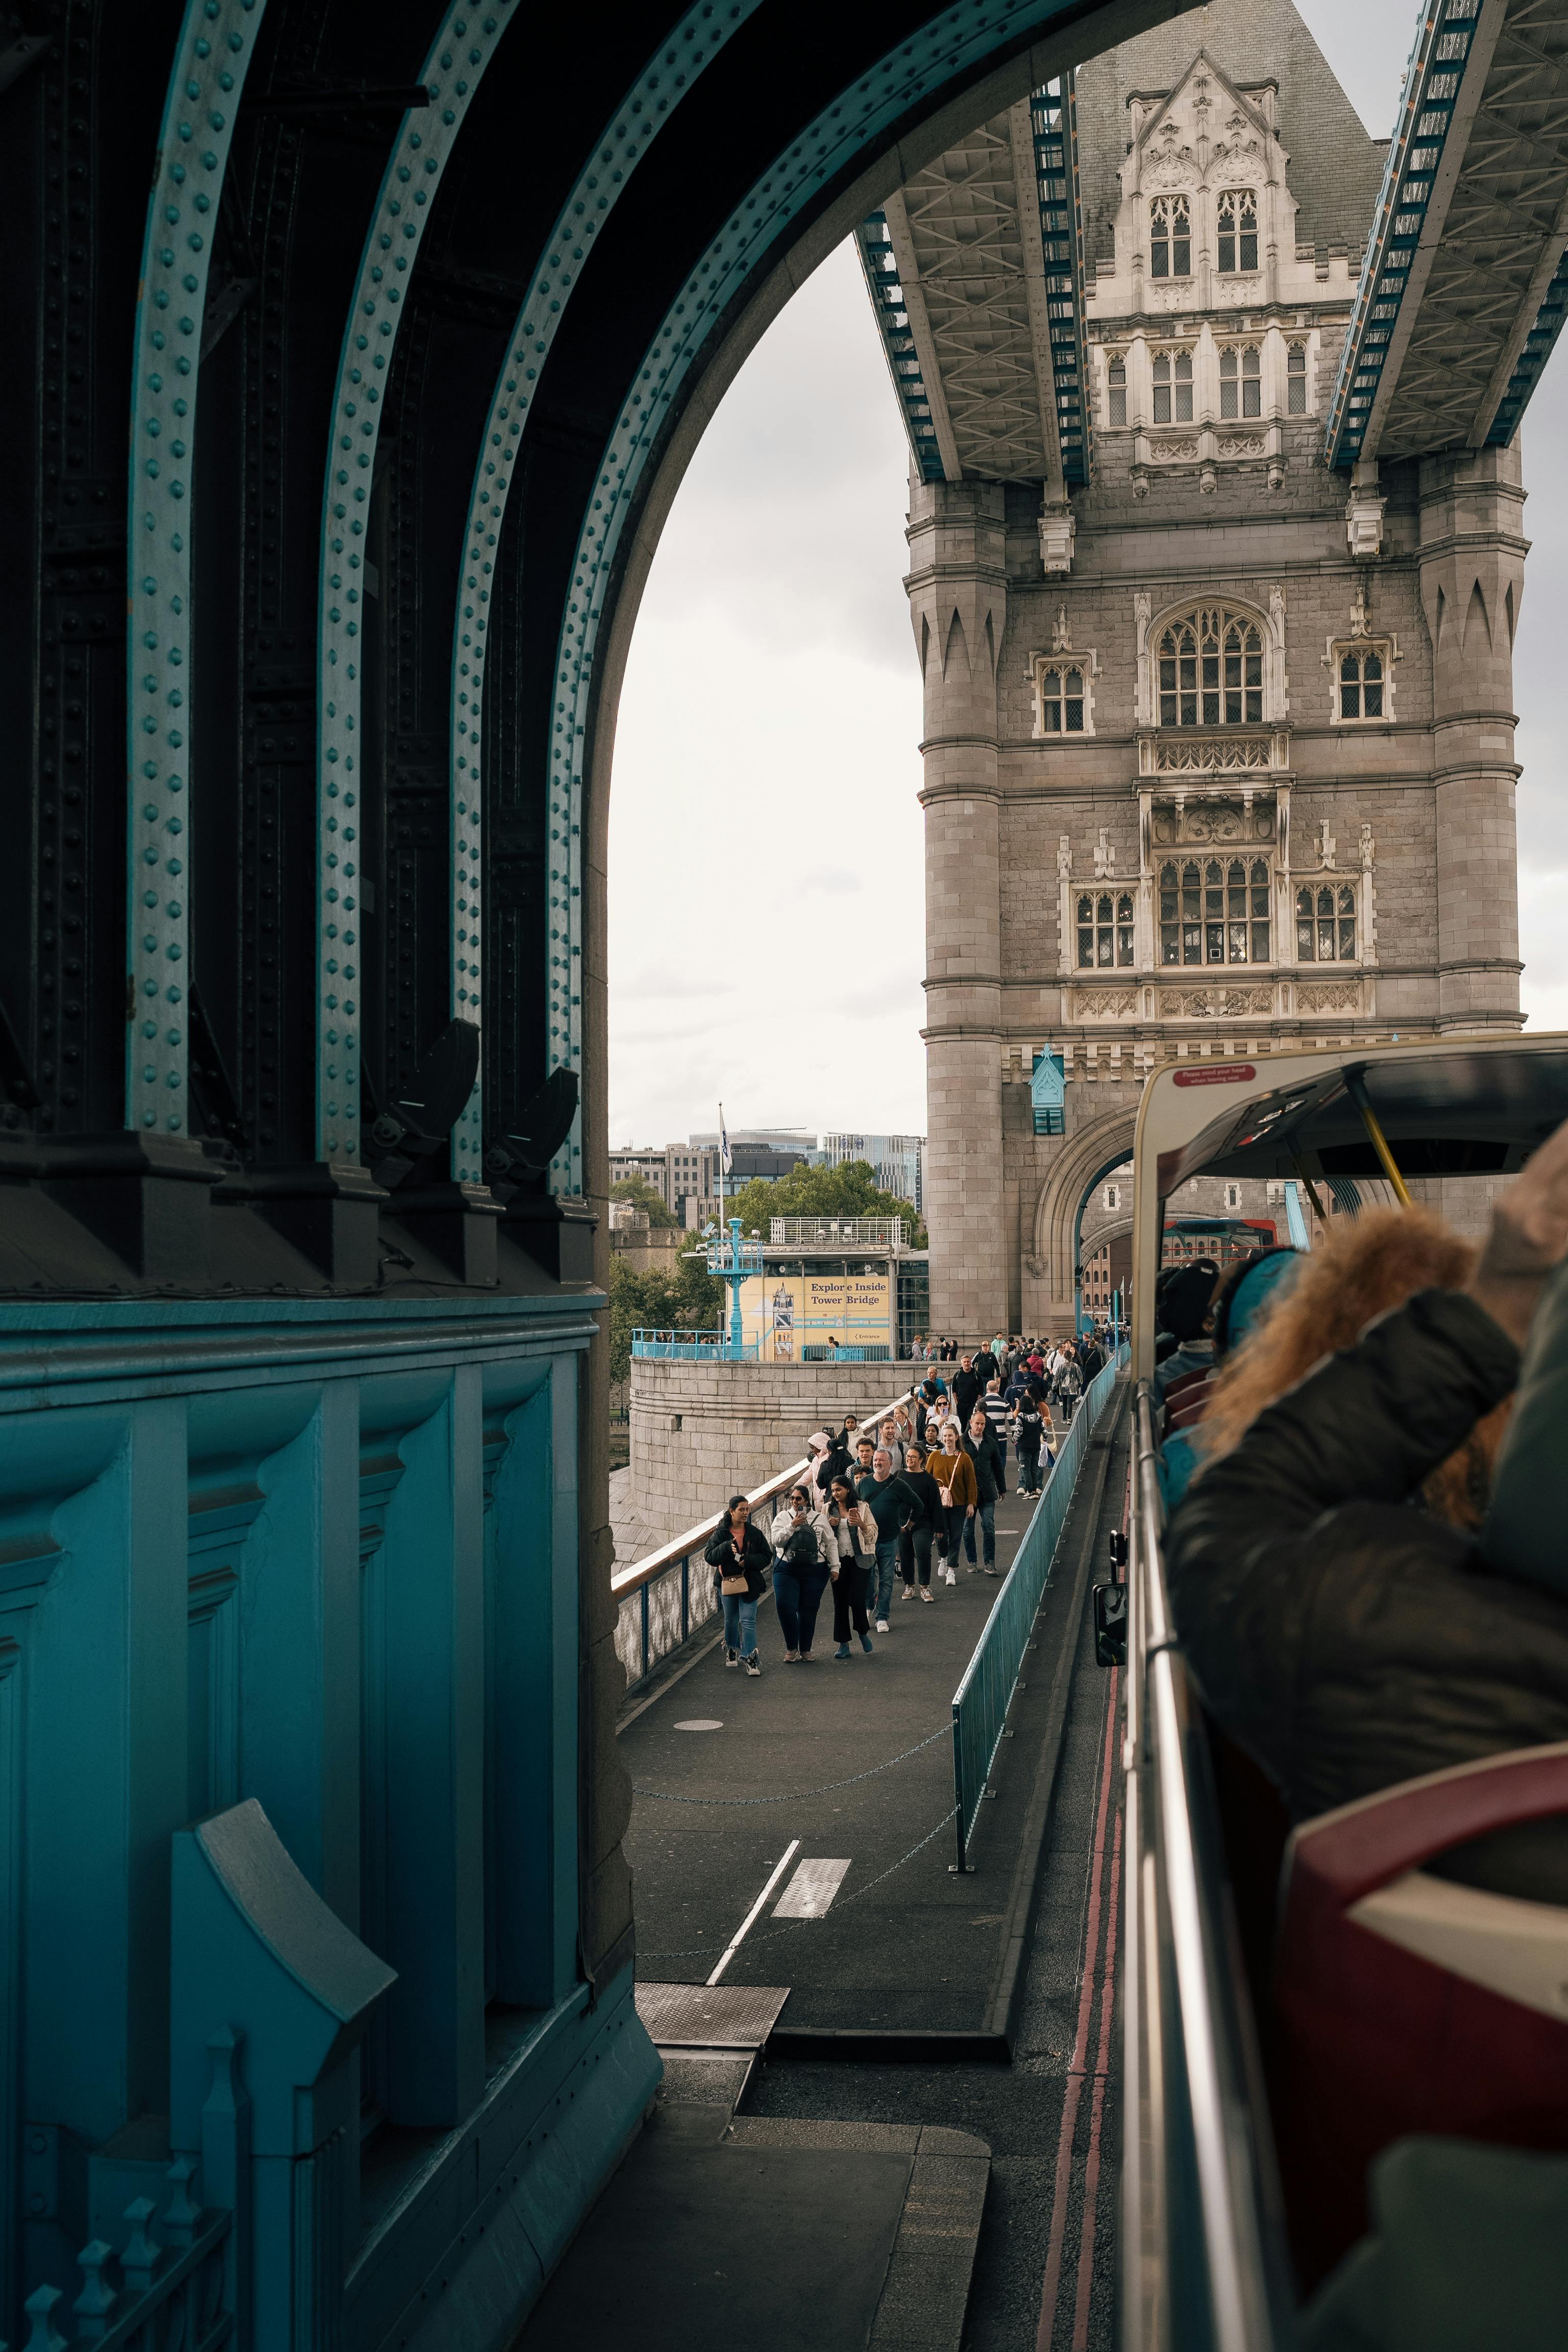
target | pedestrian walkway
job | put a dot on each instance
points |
(829, 1867)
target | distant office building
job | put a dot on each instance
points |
(678, 1172)
(898, 1160)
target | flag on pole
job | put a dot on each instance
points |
(725, 1162)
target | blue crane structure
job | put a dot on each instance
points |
(338, 435)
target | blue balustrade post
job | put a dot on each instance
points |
(432, 1597)
(255, 1952)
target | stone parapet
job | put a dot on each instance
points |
(701, 1432)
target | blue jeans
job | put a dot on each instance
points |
(740, 1623)
(987, 1517)
(798, 1596)
(887, 1568)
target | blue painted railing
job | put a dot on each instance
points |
(693, 1346)
(980, 1702)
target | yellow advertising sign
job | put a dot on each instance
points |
(784, 1314)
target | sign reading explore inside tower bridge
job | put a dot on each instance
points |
(791, 1312)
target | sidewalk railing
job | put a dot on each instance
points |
(665, 1597)
(980, 1702)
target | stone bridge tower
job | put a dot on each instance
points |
(1219, 741)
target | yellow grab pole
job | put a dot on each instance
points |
(1355, 1086)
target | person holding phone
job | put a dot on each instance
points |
(739, 1554)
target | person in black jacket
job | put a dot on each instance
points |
(967, 1386)
(981, 1448)
(737, 1550)
(1342, 1636)
(915, 1542)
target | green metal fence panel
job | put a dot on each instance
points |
(980, 1702)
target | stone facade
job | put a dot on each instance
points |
(701, 1432)
(1242, 779)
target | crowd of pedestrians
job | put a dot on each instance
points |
(899, 1504)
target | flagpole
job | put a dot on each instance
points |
(721, 1168)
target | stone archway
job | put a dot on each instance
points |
(1104, 1142)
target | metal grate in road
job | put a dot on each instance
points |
(710, 2017)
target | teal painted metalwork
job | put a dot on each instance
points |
(1053, 121)
(451, 74)
(694, 43)
(959, 39)
(1539, 345)
(1437, 59)
(216, 47)
(875, 245)
(980, 1703)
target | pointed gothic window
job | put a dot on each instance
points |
(1116, 387)
(1360, 683)
(1237, 222)
(1211, 670)
(1296, 380)
(1104, 928)
(1170, 238)
(1241, 373)
(1174, 388)
(1215, 910)
(1061, 702)
(1325, 924)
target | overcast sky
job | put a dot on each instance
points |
(766, 887)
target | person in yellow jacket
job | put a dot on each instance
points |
(953, 1471)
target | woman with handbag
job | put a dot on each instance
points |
(739, 1554)
(953, 1471)
(847, 1517)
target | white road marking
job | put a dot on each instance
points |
(811, 1890)
(701, 1723)
(756, 1912)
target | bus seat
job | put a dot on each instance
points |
(1407, 2003)
(1188, 1403)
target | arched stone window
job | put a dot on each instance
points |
(1211, 669)
(1174, 388)
(1241, 381)
(1215, 910)
(1296, 380)
(1104, 928)
(1238, 225)
(1326, 923)
(1061, 701)
(1361, 672)
(1170, 238)
(1116, 388)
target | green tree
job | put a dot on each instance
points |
(850, 1190)
(688, 1298)
(641, 1194)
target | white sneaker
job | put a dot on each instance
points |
(882, 1626)
(951, 1577)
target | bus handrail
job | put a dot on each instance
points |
(1201, 2030)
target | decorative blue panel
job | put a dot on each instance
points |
(452, 73)
(694, 43)
(217, 40)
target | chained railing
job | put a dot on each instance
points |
(667, 1596)
(980, 1702)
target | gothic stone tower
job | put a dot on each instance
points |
(1219, 743)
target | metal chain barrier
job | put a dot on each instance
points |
(702, 1951)
(669, 1797)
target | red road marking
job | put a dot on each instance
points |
(1045, 2332)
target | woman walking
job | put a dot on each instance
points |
(914, 1548)
(953, 1471)
(739, 1553)
(805, 1550)
(857, 1563)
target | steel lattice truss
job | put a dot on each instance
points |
(1462, 297)
(981, 313)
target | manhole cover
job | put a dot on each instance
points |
(701, 1723)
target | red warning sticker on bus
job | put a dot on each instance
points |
(1221, 1073)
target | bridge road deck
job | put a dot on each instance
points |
(923, 1951)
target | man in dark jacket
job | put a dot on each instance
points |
(1343, 1637)
(967, 1389)
(896, 1510)
(981, 1448)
